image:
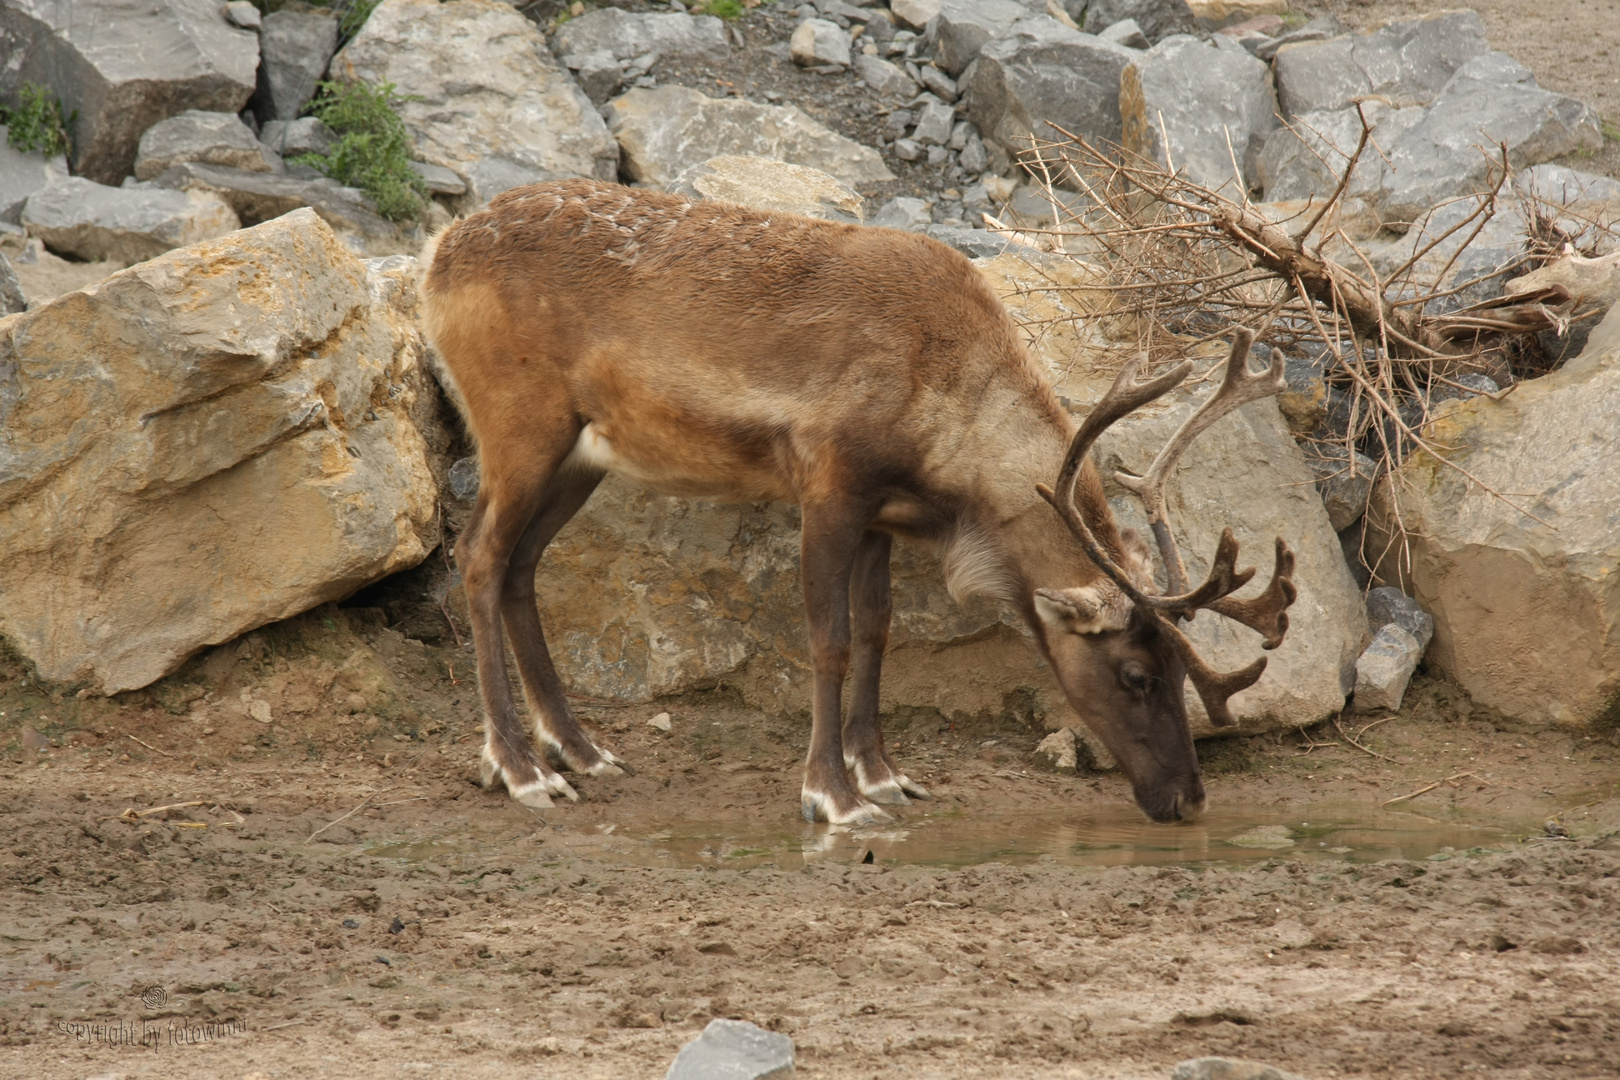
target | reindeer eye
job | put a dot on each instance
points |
(1133, 678)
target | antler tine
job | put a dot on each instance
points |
(1214, 688)
(1124, 397)
(1238, 387)
(1268, 612)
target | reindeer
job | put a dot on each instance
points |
(868, 375)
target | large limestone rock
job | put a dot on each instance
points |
(630, 36)
(1492, 100)
(1405, 62)
(208, 137)
(1526, 611)
(123, 65)
(963, 27)
(647, 595)
(1158, 19)
(1208, 102)
(1307, 157)
(487, 99)
(204, 443)
(294, 47)
(772, 186)
(94, 222)
(1043, 73)
(665, 131)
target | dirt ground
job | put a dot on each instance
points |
(344, 900)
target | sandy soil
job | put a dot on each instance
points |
(345, 900)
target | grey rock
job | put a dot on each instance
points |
(599, 74)
(975, 243)
(914, 13)
(295, 49)
(628, 35)
(1126, 33)
(817, 41)
(1490, 100)
(938, 155)
(12, 299)
(1385, 669)
(1561, 186)
(1387, 605)
(1407, 62)
(1220, 1068)
(938, 83)
(885, 79)
(463, 477)
(959, 134)
(771, 186)
(1059, 750)
(1044, 73)
(123, 65)
(934, 123)
(23, 174)
(258, 197)
(1344, 483)
(909, 150)
(92, 221)
(488, 101)
(439, 180)
(734, 1050)
(1308, 155)
(242, 13)
(1318, 29)
(209, 137)
(1157, 19)
(973, 158)
(904, 212)
(290, 138)
(964, 27)
(1209, 102)
(665, 131)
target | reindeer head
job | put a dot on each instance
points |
(1115, 644)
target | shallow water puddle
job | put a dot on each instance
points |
(952, 838)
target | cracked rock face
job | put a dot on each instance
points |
(488, 100)
(268, 368)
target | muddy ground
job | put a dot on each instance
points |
(345, 900)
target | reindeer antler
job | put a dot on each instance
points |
(1266, 613)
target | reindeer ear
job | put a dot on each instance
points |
(1138, 560)
(1091, 609)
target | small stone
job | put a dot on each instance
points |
(905, 213)
(817, 42)
(974, 158)
(734, 1050)
(439, 180)
(914, 13)
(12, 299)
(939, 83)
(938, 155)
(463, 478)
(661, 722)
(884, 79)
(242, 13)
(259, 710)
(1219, 1068)
(907, 150)
(1126, 33)
(1058, 750)
(934, 123)
(1344, 484)
(290, 138)
(1385, 669)
(1387, 605)
(599, 76)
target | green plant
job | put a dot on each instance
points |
(373, 151)
(725, 9)
(355, 14)
(38, 122)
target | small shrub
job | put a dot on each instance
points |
(372, 152)
(38, 122)
(725, 9)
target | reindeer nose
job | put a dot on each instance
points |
(1190, 810)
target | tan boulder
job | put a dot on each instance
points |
(206, 442)
(1525, 593)
(771, 186)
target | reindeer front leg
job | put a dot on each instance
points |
(876, 774)
(828, 548)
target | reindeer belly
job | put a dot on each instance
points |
(693, 463)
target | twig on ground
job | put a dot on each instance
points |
(1359, 746)
(1425, 788)
(1368, 727)
(132, 814)
(364, 803)
(149, 746)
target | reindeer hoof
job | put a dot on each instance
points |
(818, 807)
(532, 794)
